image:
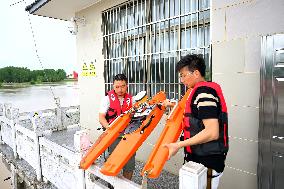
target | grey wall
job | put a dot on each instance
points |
(237, 27)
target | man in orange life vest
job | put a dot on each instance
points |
(205, 120)
(116, 102)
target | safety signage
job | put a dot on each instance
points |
(89, 69)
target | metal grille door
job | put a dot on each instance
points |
(144, 39)
(271, 130)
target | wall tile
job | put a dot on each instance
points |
(243, 122)
(218, 25)
(228, 56)
(255, 18)
(240, 89)
(252, 54)
(233, 179)
(243, 155)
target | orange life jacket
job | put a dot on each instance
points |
(192, 125)
(114, 108)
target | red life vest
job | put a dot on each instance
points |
(192, 125)
(114, 105)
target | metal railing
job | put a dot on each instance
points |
(145, 39)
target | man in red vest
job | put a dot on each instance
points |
(205, 120)
(113, 104)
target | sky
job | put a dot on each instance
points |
(56, 46)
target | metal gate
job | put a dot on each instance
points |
(271, 130)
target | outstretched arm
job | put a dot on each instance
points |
(209, 133)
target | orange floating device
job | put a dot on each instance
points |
(170, 133)
(114, 130)
(143, 123)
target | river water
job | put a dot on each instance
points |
(33, 98)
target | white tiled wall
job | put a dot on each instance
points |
(237, 27)
(255, 18)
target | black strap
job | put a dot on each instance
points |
(186, 128)
(159, 106)
(186, 157)
(111, 109)
(147, 124)
(187, 114)
(108, 117)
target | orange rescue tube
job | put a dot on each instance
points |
(109, 136)
(170, 133)
(132, 141)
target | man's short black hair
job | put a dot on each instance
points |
(120, 77)
(192, 62)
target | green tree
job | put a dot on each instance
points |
(19, 75)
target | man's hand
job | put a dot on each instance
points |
(168, 103)
(103, 120)
(173, 149)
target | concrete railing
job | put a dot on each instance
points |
(51, 142)
(25, 133)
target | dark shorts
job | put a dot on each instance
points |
(130, 165)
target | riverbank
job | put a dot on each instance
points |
(30, 98)
(28, 84)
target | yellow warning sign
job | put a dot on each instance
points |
(89, 70)
(85, 69)
(92, 70)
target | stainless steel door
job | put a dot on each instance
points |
(271, 129)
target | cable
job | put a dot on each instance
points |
(56, 100)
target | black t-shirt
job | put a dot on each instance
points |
(206, 104)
